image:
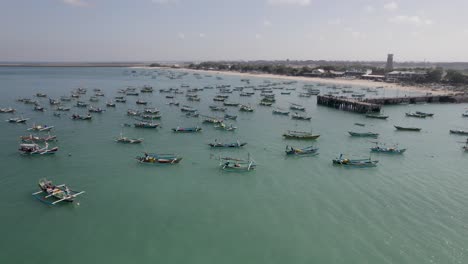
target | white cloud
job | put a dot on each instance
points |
(335, 21)
(258, 36)
(356, 34)
(181, 35)
(369, 9)
(392, 6)
(201, 35)
(411, 20)
(266, 23)
(289, 2)
(76, 3)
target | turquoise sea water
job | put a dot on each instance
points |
(411, 208)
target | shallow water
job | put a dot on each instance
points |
(411, 208)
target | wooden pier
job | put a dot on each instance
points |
(348, 104)
(412, 99)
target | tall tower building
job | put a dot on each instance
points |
(389, 66)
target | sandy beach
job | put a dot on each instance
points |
(336, 81)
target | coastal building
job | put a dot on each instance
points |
(396, 76)
(389, 65)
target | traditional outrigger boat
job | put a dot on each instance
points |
(363, 134)
(416, 129)
(174, 103)
(230, 117)
(300, 135)
(131, 112)
(217, 108)
(187, 129)
(17, 120)
(279, 111)
(81, 104)
(376, 116)
(246, 108)
(37, 139)
(265, 103)
(92, 109)
(192, 114)
(153, 158)
(223, 126)
(80, 117)
(237, 144)
(39, 108)
(459, 132)
(141, 102)
(230, 104)
(35, 149)
(425, 114)
(146, 125)
(59, 193)
(62, 108)
(41, 95)
(415, 115)
(54, 101)
(389, 150)
(120, 100)
(7, 110)
(110, 104)
(237, 165)
(186, 108)
(151, 110)
(297, 116)
(296, 107)
(94, 99)
(151, 117)
(361, 163)
(122, 139)
(308, 151)
(40, 128)
(359, 124)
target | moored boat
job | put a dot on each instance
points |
(307, 151)
(459, 131)
(363, 134)
(80, 117)
(40, 128)
(231, 117)
(237, 165)
(415, 115)
(388, 150)
(376, 116)
(297, 116)
(146, 125)
(407, 128)
(17, 120)
(217, 144)
(154, 158)
(122, 139)
(361, 163)
(35, 149)
(53, 194)
(290, 134)
(187, 129)
(246, 108)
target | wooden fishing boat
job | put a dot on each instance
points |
(246, 94)
(39, 108)
(194, 99)
(53, 194)
(80, 117)
(230, 104)
(35, 149)
(141, 102)
(217, 144)
(212, 120)
(296, 107)
(223, 126)
(186, 108)
(151, 110)
(285, 93)
(110, 104)
(360, 163)
(126, 140)
(37, 139)
(236, 165)
(359, 124)
(146, 89)
(231, 117)
(95, 110)
(146, 125)
(192, 114)
(290, 134)
(81, 104)
(62, 108)
(120, 100)
(53, 101)
(17, 120)
(150, 117)
(297, 116)
(387, 150)
(425, 114)
(94, 99)
(41, 95)
(187, 129)
(307, 151)
(40, 128)
(219, 99)
(307, 95)
(265, 103)
(376, 116)
(415, 115)
(130, 93)
(407, 128)
(7, 110)
(459, 132)
(217, 108)
(174, 103)
(363, 134)
(153, 158)
(246, 108)
(279, 111)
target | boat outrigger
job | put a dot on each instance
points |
(53, 194)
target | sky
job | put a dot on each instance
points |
(175, 30)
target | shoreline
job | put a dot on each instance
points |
(339, 81)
